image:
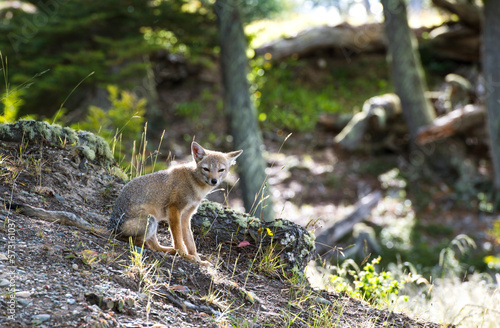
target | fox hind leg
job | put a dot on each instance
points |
(152, 243)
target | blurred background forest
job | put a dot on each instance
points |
(414, 175)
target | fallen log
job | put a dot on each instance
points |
(456, 121)
(296, 244)
(334, 122)
(375, 115)
(453, 41)
(349, 39)
(450, 40)
(326, 240)
(468, 13)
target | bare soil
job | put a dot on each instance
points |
(59, 276)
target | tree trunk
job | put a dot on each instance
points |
(407, 72)
(491, 69)
(410, 86)
(240, 110)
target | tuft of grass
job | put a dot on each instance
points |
(474, 302)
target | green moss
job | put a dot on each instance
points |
(5, 130)
(210, 206)
(70, 135)
(309, 238)
(95, 148)
(278, 223)
(26, 127)
(88, 153)
(206, 223)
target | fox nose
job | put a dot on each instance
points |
(213, 182)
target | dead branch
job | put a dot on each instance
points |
(376, 113)
(457, 121)
(326, 241)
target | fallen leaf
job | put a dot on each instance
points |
(243, 243)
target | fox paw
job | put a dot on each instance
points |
(195, 259)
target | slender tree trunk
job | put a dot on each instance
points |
(240, 110)
(491, 71)
(444, 158)
(407, 72)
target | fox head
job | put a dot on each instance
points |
(212, 166)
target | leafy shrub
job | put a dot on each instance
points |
(367, 284)
(373, 286)
(121, 124)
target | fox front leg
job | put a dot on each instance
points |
(175, 225)
(187, 235)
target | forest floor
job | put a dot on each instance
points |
(62, 276)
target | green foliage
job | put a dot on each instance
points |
(293, 94)
(368, 284)
(258, 9)
(119, 125)
(493, 261)
(110, 38)
(11, 103)
(373, 286)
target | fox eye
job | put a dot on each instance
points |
(206, 169)
(221, 170)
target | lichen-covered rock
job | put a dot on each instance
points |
(294, 243)
(92, 147)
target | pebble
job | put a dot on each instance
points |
(39, 318)
(23, 294)
(75, 266)
(23, 302)
(71, 301)
(4, 283)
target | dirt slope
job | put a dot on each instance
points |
(58, 276)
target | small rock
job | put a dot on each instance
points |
(71, 301)
(68, 295)
(23, 294)
(23, 302)
(39, 318)
(3, 257)
(75, 266)
(4, 283)
(321, 300)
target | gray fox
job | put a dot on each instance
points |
(174, 195)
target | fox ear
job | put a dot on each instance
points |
(234, 155)
(197, 151)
